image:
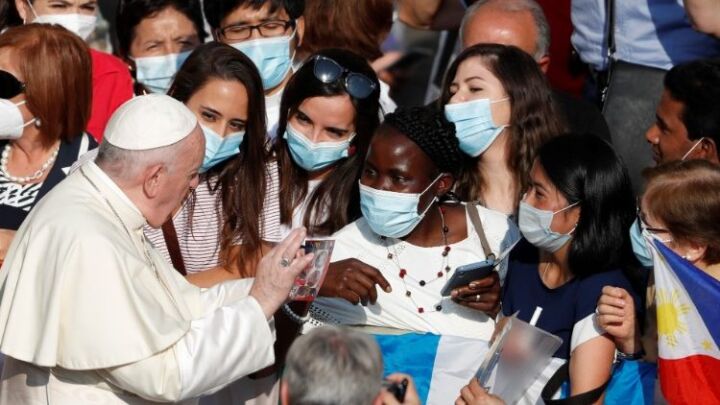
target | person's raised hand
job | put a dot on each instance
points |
(616, 315)
(353, 281)
(481, 295)
(277, 271)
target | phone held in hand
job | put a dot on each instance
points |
(463, 275)
(308, 283)
(398, 389)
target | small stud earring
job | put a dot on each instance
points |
(38, 123)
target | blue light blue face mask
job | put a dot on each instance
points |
(219, 149)
(474, 125)
(157, 72)
(392, 214)
(313, 156)
(271, 57)
(639, 241)
(535, 224)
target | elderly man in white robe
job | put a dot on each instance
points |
(90, 313)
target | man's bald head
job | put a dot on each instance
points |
(521, 23)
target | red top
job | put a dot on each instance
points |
(112, 86)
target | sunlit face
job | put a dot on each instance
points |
(475, 81)
(325, 119)
(167, 32)
(176, 182)
(395, 163)
(668, 136)
(248, 15)
(221, 105)
(659, 230)
(43, 7)
(542, 194)
(9, 63)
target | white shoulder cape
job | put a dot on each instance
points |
(76, 289)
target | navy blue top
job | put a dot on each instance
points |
(564, 306)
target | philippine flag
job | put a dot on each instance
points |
(439, 365)
(688, 315)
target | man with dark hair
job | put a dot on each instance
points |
(268, 32)
(687, 120)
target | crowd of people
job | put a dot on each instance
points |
(155, 203)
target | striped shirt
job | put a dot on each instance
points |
(199, 236)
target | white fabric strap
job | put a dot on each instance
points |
(225, 345)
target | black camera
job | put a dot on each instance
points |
(398, 389)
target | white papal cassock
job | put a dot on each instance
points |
(90, 313)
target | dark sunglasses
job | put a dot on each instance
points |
(10, 86)
(328, 71)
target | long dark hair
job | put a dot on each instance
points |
(586, 170)
(241, 179)
(533, 118)
(338, 193)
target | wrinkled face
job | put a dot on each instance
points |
(668, 136)
(221, 105)
(175, 183)
(325, 119)
(693, 252)
(43, 7)
(167, 32)
(542, 194)
(473, 81)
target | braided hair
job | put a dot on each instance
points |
(428, 128)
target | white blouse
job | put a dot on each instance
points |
(396, 309)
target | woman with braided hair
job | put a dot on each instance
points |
(414, 238)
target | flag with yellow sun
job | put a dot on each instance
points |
(688, 317)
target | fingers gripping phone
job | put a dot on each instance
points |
(463, 275)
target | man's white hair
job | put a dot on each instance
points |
(542, 43)
(127, 165)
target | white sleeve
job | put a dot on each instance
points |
(225, 293)
(223, 346)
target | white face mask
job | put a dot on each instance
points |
(11, 120)
(80, 24)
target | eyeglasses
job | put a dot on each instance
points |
(654, 231)
(268, 29)
(357, 84)
(10, 86)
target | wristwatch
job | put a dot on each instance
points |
(620, 356)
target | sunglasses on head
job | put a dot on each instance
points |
(328, 71)
(10, 86)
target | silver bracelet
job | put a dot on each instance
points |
(293, 316)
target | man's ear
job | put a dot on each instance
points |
(544, 63)
(153, 179)
(709, 150)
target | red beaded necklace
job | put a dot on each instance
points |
(405, 275)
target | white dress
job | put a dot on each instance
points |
(396, 309)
